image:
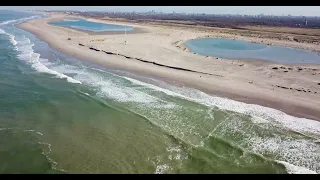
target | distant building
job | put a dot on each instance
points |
(305, 22)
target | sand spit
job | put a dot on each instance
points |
(158, 52)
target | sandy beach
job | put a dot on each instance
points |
(158, 52)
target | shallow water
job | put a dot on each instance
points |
(238, 49)
(91, 26)
(62, 115)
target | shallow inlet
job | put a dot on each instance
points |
(91, 26)
(238, 49)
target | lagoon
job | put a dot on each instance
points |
(238, 49)
(91, 26)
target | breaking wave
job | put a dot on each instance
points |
(17, 20)
(27, 54)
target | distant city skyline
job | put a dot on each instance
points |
(248, 10)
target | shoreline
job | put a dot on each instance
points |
(232, 77)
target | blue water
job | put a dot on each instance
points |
(238, 49)
(91, 26)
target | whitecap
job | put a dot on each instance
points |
(27, 54)
(300, 152)
(11, 37)
(107, 86)
(29, 130)
(2, 31)
(7, 22)
(12, 40)
(292, 169)
(18, 20)
(261, 113)
(173, 149)
(46, 154)
(160, 169)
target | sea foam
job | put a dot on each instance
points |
(300, 153)
(24, 46)
(11, 37)
(106, 86)
(17, 20)
(260, 112)
(292, 169)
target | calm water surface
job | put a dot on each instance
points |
(238, 49)
(91, 26)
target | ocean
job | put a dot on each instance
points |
(239, 49)
(59, 114)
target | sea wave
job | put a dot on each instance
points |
(18, 20)
(7, 22)
(11, 37)
(106, 85)
(46, 150)
(300, 153)
(160, 169)
(24, 46)
(257, 111)
(292, 169)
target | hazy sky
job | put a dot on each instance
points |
(250, 10)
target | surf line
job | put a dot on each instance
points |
(150, 62)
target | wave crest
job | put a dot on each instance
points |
(18, 20)
(27, 54)
(292, 169)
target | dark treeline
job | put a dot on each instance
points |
(214, 20)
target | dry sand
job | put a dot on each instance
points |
(158, 52)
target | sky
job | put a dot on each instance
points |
(249, 10)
